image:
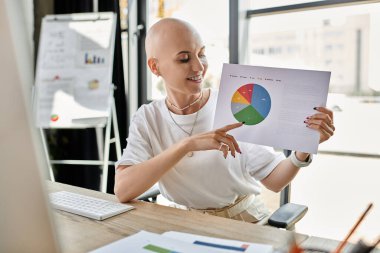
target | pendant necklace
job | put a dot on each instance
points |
(191, 153)
(184, 108)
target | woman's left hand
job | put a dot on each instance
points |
(323, 122)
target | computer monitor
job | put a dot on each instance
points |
(25, 220)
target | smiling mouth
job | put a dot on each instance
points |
(195, 78)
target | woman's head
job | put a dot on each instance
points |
(176, 52)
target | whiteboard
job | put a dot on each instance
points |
(74, 69)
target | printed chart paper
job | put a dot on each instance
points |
(146, 242)
(273, 103)
(222, 245)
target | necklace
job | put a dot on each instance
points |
(184, 108)
(191, 153)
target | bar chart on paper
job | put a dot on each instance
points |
(241, 248)
(221, 245)
(93, 59)
(251, 104)
(157, 249)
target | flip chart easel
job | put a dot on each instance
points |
(73, 82)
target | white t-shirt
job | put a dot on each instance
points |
(205, 180)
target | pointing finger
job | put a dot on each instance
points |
(230, 127)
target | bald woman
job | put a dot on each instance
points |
(171, 141)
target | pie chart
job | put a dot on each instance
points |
(251, 104)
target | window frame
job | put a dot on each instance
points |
(317, 5)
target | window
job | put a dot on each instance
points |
(342, 40)
(343, 179)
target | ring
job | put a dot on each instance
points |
(221, 145)
(225, 134)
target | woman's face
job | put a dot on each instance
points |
(182, 62)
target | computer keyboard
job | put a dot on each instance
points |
(90, 207)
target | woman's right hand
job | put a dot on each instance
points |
(217, 139)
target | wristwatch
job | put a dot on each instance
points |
(299, 163)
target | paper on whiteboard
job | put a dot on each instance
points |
(273, 103)
(74, 70)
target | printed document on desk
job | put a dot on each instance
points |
(273, 103)
(176, 242)
(145, 242)
(222, 245)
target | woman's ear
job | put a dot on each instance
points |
(153, 65)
